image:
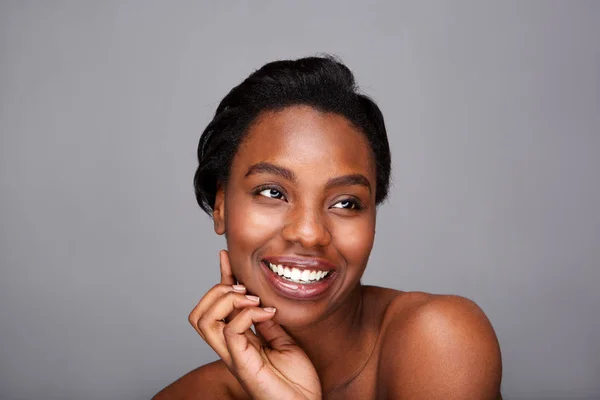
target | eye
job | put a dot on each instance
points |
(346, 204)
(271, 193)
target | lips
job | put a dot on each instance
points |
(299, 277)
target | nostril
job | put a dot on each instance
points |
(308, 232)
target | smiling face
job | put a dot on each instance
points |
(300, 200)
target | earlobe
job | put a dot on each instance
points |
(219, 211)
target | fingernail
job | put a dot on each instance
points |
(253, 298)
(269, 309)
(239, 288)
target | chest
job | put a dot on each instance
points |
(363, 385)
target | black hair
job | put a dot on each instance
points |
(323, 83)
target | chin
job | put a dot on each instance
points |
(298, 316)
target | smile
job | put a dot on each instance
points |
(298, 277)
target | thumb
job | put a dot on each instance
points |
(274, 335)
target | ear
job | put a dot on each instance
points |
(219, 211)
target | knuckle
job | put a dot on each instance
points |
(217, 288)
(228, 332)
(220, 288)
(246, 313)
(203, 324)
(234, 298)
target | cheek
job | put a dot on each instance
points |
(248, 230)
(355, 241)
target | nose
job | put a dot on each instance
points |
(308, 228)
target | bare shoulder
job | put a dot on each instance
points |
(210, 381)
(438, 346)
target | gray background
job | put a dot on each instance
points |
(493, 112)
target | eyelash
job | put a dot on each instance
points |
(261, 189)
(355, 204)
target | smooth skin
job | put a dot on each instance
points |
(303, 184)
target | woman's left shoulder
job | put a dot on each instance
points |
(419, 308)
(442, 344)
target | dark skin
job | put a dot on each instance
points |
(303, 183)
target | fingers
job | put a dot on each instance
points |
(227, 277)
(210, 314)
(209, 324)
(228, 283)
(275, 336)
(236, 336)
(209, 299)
(229, 302)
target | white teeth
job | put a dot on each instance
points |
(298, 275)
(305, 275)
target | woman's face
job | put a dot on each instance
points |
(299, 204)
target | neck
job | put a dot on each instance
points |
(338, 337)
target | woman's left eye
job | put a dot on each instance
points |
(346, 204)
(271, 193)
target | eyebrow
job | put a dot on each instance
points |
(346, 180)
(349, 180)
(268, 168)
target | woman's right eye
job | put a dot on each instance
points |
(272, 193)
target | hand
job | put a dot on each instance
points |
(268, 366)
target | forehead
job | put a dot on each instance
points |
(302, 137)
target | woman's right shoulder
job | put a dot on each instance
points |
(210, 381)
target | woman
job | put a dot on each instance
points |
(292, 168)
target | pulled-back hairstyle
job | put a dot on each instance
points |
(323, 83)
